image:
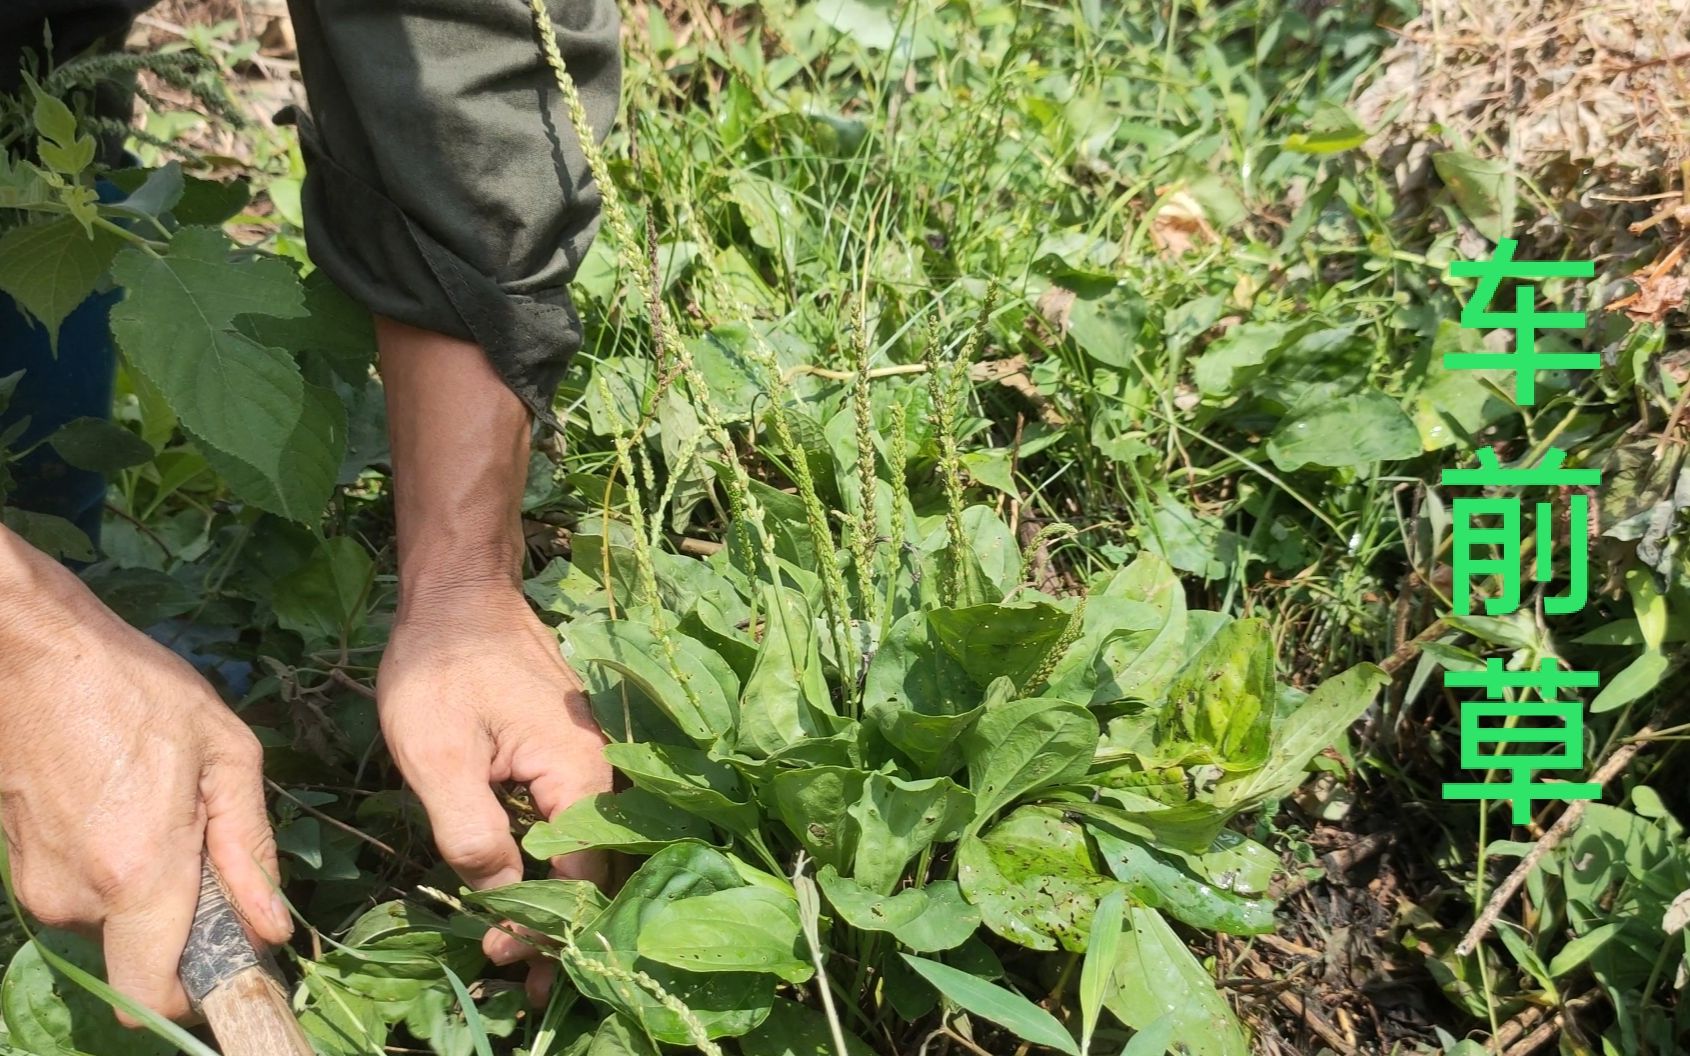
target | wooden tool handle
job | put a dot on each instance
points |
(233, 984)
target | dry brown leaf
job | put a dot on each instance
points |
(1179, 224)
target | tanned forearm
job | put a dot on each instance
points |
(460, 442)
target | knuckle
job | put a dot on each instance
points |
(476, 853)
(240, 748)
(113, 876)
(48, 902)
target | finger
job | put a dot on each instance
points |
(593, 866)
(560, 780)
(471, 829)
(143, 943)
(541, 978)
(502, 948)
(242, 845)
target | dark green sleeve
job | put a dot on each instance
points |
(445, 187)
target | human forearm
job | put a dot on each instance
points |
(460, 459)
(472, 690)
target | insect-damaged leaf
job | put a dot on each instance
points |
(1318, 722)
(1034, 879)
(1220, 706)
(897, 819)
(999, 641)
(926, 919)
(1161, 883)
(815, 804)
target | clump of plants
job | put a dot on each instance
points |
(890, 795)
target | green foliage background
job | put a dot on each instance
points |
(1057, 392)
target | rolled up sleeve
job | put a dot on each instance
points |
(445, 187)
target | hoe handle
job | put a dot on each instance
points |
(233, 984)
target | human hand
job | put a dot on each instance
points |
(472, 692)
(119, 767)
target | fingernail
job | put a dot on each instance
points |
(280, 916)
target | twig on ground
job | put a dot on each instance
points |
(1544, 1032)
(1337, 862)
(1565, 824)
(1304, 1011)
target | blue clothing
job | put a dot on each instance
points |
(76, 383)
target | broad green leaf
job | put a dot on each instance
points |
(897, 819)
(1159, 883)
(325, 598)
(53, 536)
(725, 1003)
(1156, 976)
(815, 804)
(1157, 1038)
(1354, 430)
(151, 193)
(1034, 879)
(1238, 356)
(339, 1022)
(1107, 329)
(743, 929)
(99, 445)
(1021, 746)
(689, 779)
(920, 696)
(1219, 708)
(1331, 130)
(334, 329)
(1190, 540)
(617, 1037)
(1317, 723)
(876, 24)
(1002, 1006)
(243, 399)
(1483, 189)
(311, 456)
(51, 266)
(551, 907)
(633, 821)
(1649, 605)
(702, 705)
(999, 641)
(1571, 956)
(770, 213)
(1137, 660)
(786, 698)
(48, 1014)
(797, 1030)
(1096, 972)
(926, 919)
(1635, 680)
